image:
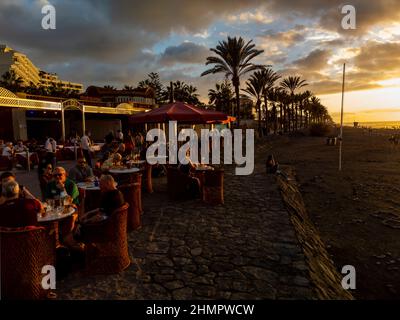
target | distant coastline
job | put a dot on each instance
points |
(376, 124)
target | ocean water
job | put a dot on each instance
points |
(377, 124)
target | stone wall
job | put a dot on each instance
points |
(325, 277)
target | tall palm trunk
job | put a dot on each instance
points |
(266, 113)
(258, 106)
(275, 118)
(236, 85)
(281, 117)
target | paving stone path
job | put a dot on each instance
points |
(245, 249)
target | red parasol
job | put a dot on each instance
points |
(180, 112)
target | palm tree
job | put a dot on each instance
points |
(292, 84)
(109, 87)
(233, 59)
(153, 81)
(273, 97)
(283, 99)
(270, 77)
(182, 92)
(128, 87)
(304, 101)
(221, 97)
(11, 81)
(255, 86)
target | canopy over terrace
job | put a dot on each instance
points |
(180, 112)
(10, 100)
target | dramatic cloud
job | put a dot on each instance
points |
(284, 38)
(187, 52)
(316, 60)
(120, 42)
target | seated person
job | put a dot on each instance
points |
(16, 211)
(113, 161)
(19, 147)
(8, 150)
(111, 199)
(271, 165)
(61, 184)
(23, 191)
(187, 168)
(81, 172)
(45, 178)
(193, 183)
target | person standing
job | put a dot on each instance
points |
(120, 136)
(86, 147)
(51, 147)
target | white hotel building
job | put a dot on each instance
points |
(12, 60)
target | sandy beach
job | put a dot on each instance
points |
(357, 211)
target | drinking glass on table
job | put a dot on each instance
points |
(50, 204)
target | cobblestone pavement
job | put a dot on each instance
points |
(245, 249)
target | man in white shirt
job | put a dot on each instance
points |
(86, 147)
(120, 136)
(8, 150)
(51, 147)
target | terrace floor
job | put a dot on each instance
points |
(245, 249)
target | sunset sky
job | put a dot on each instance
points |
(119, 42)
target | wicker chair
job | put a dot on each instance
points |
(107, 244)
(5, 163)
(148, 178)
(131, 194)
(137, 178)
(24, 252)
(177, 184)
(213, 187)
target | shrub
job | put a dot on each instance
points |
(319, 129)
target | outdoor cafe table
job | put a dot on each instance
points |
(25, 159)
(199, 173)
(148, 173)
(124, 175)
(52, 219)
(89, 196)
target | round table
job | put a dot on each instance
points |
(199, 174)
(124, 171)
(87, 186)
(89, 196)
(52, 219)
(136, 162)
(148, 174)
(124, 175)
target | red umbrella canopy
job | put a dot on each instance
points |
(180, 112)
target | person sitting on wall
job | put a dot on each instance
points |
(271, 166)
